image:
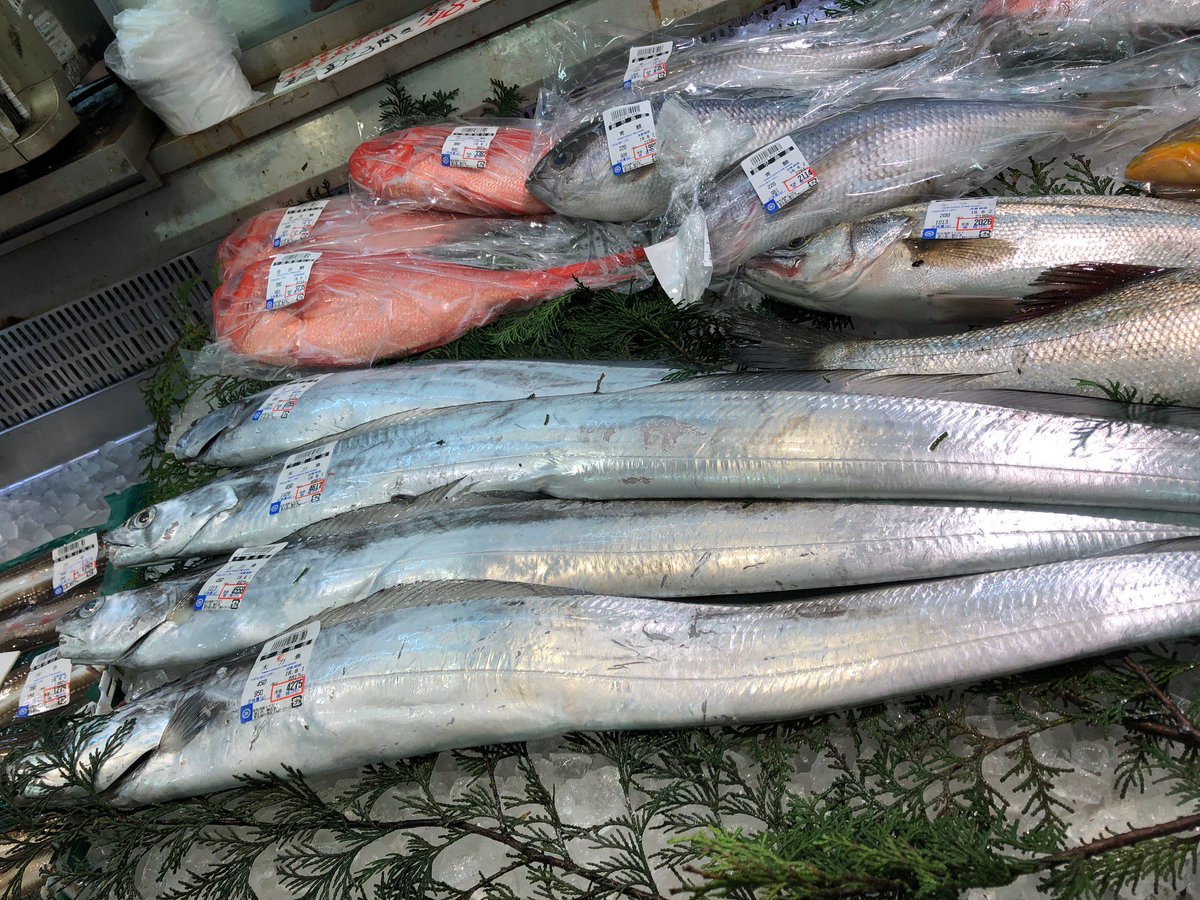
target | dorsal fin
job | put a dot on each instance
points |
(1086, 279)
(454, 495)
(1077, 405)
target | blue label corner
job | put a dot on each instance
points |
(771, 207)
(199, 604)
(445, 159)
(274, 507)
(257, 415)
(275, 243)
(247, 713)
(22, 712)
(617, 169)
(929, 233)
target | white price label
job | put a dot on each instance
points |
(648, 63)
(958, 219)
(779, 174)
(302, 479)
(74, 563)
(47, 687)
(226, 587)
(287, 279)
(281, 401)
(631, 136)
(298, 222)
(279, 678)
(467, 146)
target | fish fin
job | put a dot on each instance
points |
(428, 593)
(1077, 405)
(951, 251)
(400, 508)
(1086, 279)
(845, 381)
(774, 344)
(1189, 544)
(194, 712)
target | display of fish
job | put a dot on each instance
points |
(354, 311)
(429, 667)
(1041, 250)
(340, 225)
(576, 178)
(284, 418)
(1142, 336)
(687, 443)
(405, 168)
(1171, 165)
(884, 154)
(654, 548)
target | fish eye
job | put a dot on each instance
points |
(796, 243)
(560, 159)
(89, 609)
(143, 518)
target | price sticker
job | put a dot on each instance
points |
(959, 219)
(74, 563)
(647, 64)
(302, 479)
(287, 279)
(47, 687)
(226, 587)
(282, 401)
(467, 146)
(279, 678)
(779, 174)
(298, 222)
(631, 136)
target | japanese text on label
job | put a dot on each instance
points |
(47, 687)
(631, 136)
(279, 677)
(958, 219)
(74, 563)
(302, 479)
(226, 587)
(298, 222)
(779, 174)
(287, 279)
(467, 146)
(281, 401)
(648, 63)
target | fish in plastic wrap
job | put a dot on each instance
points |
(1171, 166)
(338, 224)
(421, 168)
(329, 309)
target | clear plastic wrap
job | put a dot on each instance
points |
(413, 168)
(340, 225)
(1170, 167)
(333, 309)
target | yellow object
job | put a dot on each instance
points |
(1174, 160)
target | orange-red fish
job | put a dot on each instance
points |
(356, 310)
(342, 227)
(1172, 164)
(405, 167)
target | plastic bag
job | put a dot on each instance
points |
(423, 168)
(333, 309)
(339, 225)
(180, 58)
(1170, 167)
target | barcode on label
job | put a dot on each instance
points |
(44, 660)
(74, 563)
(631, 135)
(647, 64)
(278, 680)
(779, 174)
(766, 156)
(287, 642)
(302, 479)
(622, 114)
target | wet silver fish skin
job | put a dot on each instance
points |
(788, 59)
(634, 548)
(880, 268)
(229, 437)
(575, 176)
(656, 443)
(885, 154)
(1143, 335)
(437, 666)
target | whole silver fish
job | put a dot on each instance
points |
(657, 548)
(429, 667)
(689, 443)
(575, 177)
(1141, 336)
(884, 154)
(279, 420)
(1042, 250)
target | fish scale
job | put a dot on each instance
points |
(430, 667)
(659, 443)
(884, 154)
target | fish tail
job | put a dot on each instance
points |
(769, 343)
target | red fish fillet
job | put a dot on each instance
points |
(344, 227)
(357, 310)
(405, 167)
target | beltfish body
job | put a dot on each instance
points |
(885, 154)
(691, 443)
(1142, 335)
(1042, 249)
(29, 610)
(430, 667)
(576, 178)
(656, 548)
(254, 429)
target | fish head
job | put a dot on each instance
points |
(205, 430)
(165, 530)
(575, 177)
(105, 629)
(831, 263)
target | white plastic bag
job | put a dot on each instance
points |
(181, 59)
